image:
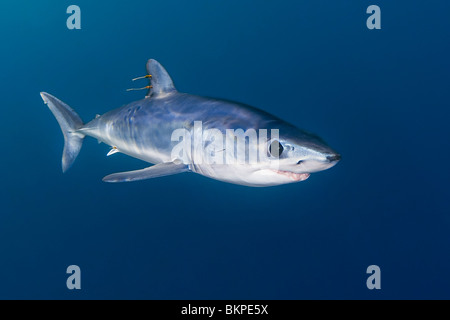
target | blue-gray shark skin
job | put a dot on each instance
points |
(145, 129)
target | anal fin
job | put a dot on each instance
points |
(158, 170)
(112, 151)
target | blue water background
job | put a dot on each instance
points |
(379, 97)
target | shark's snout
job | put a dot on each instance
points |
(334, 157)
(317, 161)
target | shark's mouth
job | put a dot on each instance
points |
(294, 176)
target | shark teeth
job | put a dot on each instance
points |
(294, 176)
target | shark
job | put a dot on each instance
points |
(231, 140)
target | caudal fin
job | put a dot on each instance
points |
(69, 122)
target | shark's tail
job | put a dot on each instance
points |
(69, 122)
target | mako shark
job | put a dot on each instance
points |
(144, 129)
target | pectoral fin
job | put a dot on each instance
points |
(158, 170)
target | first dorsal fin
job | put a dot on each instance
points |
(161, 83)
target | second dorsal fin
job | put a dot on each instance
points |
(160, 81)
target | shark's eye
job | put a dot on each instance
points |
(276, 149)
